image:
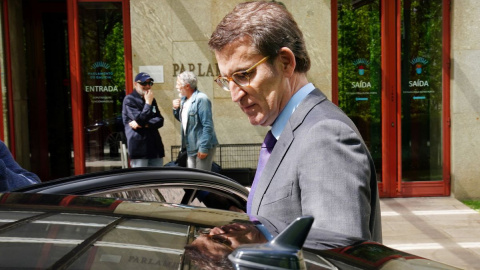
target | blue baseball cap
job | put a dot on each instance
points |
(142, 77)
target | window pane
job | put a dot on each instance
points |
(422, 90)
(359, 71)
(62, 226)
(103, 83)
(11, 216)
(137, 244)
(46, 240)
(163, 194)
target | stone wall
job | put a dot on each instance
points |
(174, 34)
(465, 99)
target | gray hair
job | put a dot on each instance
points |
(188, 77)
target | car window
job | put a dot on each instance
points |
(162, 184)
(202, 197)
(46, 238)
(137, 244)
(86, 241)
(11, 216)
(89, 241)
(164, 194)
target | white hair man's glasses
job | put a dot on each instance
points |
(241, 78)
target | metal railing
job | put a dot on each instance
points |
(237, 161)
(231, 156)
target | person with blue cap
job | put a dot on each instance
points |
(142, 119)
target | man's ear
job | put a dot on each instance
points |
(287, 60)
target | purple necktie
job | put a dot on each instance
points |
(265, 151)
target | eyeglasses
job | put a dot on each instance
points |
(146, 83)
(241, 78)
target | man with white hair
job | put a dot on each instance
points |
(194, 111)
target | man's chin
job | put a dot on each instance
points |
(257, 122)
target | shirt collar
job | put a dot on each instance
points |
(292, 104)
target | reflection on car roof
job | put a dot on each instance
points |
(84, 232)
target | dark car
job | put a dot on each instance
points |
(165, 184)
(158, 226)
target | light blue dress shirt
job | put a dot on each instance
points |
(292, 104)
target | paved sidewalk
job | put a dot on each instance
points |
(438, 228)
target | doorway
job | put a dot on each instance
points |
(49, 97)
(77, 58)
(390, 65)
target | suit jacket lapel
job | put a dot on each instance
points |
(283, 144)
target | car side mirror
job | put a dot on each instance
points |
(282, 252)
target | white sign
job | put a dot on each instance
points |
(156, 72)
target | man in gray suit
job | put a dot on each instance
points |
(319, 165)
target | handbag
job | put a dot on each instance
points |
(216, 167)
(182, 158)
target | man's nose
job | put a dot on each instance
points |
(236, 92)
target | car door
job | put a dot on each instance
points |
(164, 184)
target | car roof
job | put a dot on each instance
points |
(83, 232)
(113, 206)
(45, 230)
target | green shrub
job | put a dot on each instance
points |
(475, 205)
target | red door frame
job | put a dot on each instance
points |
(75, 73)
(391, 185)
(446, 65)
(8, 66)
(75, 86)
(390, 153)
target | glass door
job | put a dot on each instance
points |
(390, 62)
(101, 53)
(103, 83)
(421, 93)
(359, 71)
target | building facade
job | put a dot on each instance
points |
(403, 70)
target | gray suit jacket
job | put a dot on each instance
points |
(320, 167)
